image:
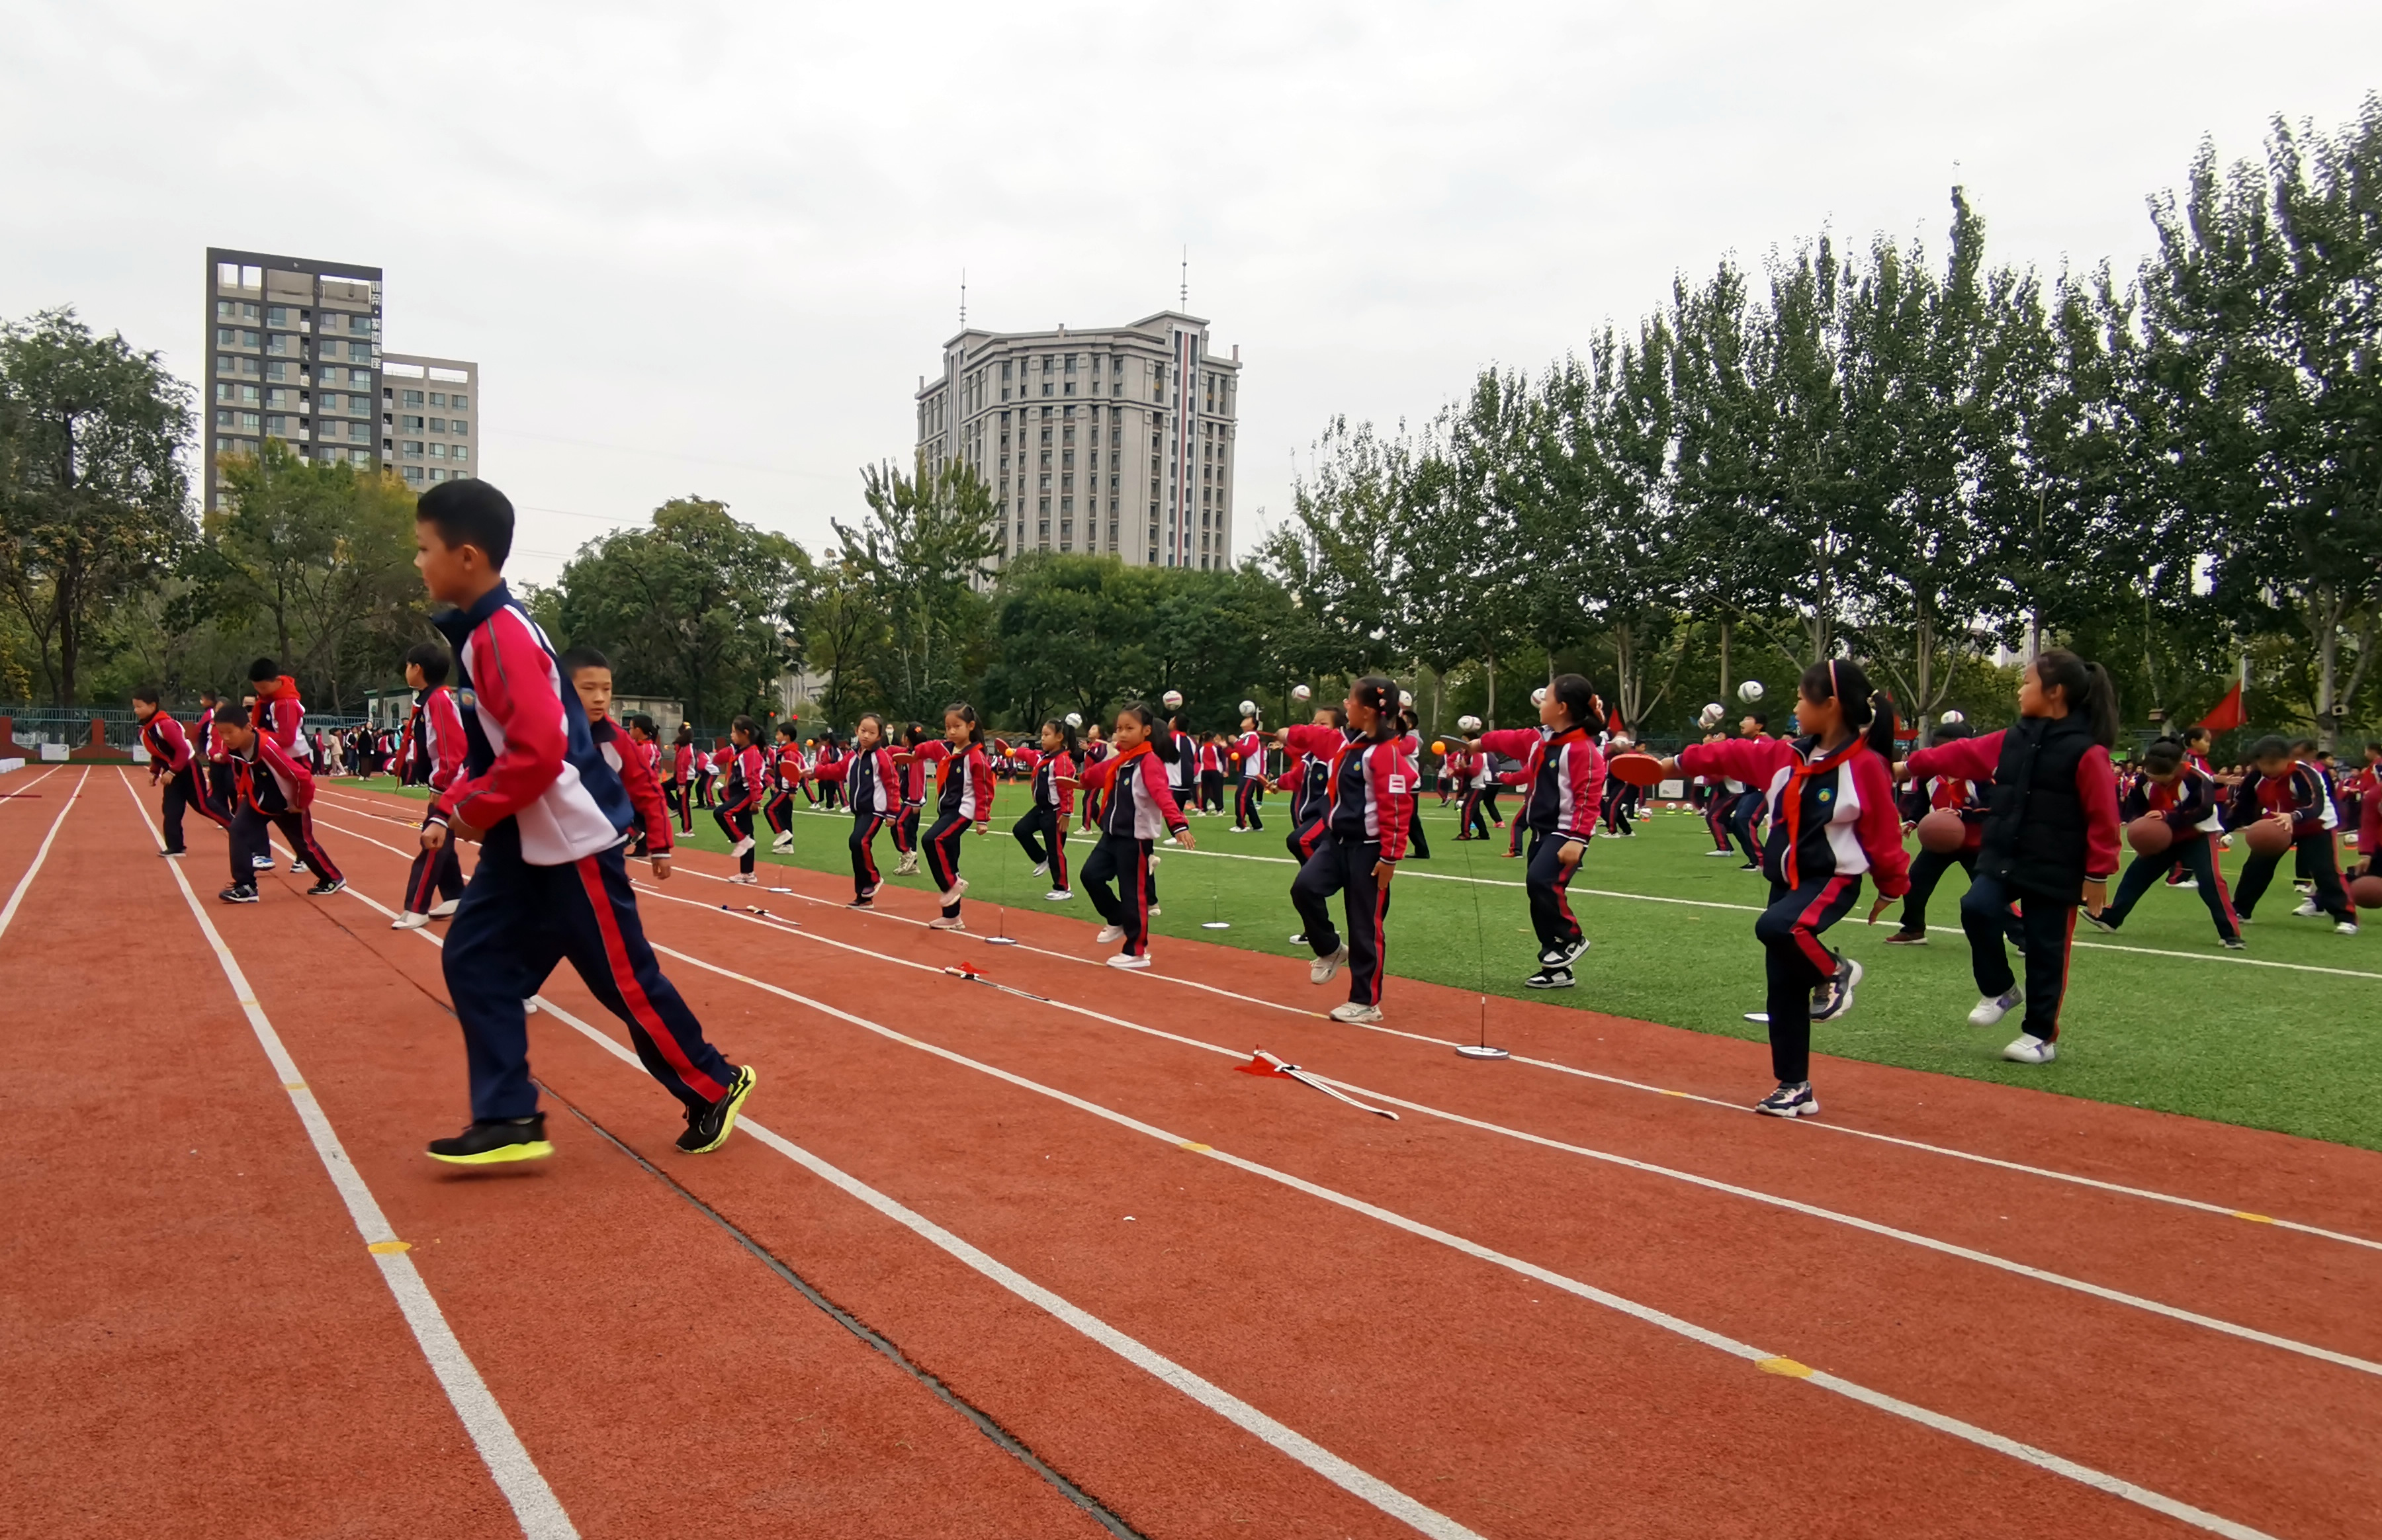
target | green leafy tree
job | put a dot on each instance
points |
(700, 606)
(94, 503)
(921, 551)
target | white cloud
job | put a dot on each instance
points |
(710, 249)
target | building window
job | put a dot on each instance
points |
(360, 432)
(458, 427)
(457, 452)
(409, 424)
(438, 451)
(438, 398)
(414, 472)
(360, 352)
(437, 424)
(412, 398)
(249, 423)
(412, 448)
(458, 401)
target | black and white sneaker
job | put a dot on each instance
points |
(263, 863)
(1549, 978)
(328, 886)
(237, 893)
(1789, 1101)
(1832, 1000)
(2098, 921)
(174, 852)
(1562, 954)
(707, 1130)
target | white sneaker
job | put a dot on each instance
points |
(909, 867)
(746, 877)
(529, 1007)
(784, 842)
(2308, 910)
(1323, 968)
(2347, 927)
(2031, 1050)
(408, 920)
(1990, 1010)
(1153, 859)
(444, 907)
(744, 845)
(1299, 940)
(1127, 960)
(263, 863)
(940, 923)
(1720, 853)
(1058, 896)
(1110, 933)
(1041, 869)
(1357, 1015)
(1155, 911)
(959, 885)
(296, 866)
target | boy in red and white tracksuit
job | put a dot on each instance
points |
(432, 754)
(175, 760)
(1369, 804)
(272, 791)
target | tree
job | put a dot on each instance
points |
(700, 606)
(922, 552)
(846, 629)
(92, 500)
(1344, 553)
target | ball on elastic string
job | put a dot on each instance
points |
(1711, 716)
(1539, 696)
(1248, 708)
(1075, 719)
(1173, 700)
(1437, 747)
(1301, 693)
(1951, 716)
(1468, 724)
(1749, 691)
(1405, 699)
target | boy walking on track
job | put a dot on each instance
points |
(432, 755)
(173, 760)
(551, 816)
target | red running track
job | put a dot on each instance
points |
(1432, 1306)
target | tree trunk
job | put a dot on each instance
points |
(2325, 612)
(1490, 715)
(1728, 634)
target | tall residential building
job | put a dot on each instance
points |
(1116, 441)
(431, 405)
(295, 356)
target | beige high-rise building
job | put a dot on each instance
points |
(1113, 441)
(431, 409)
(295, 356)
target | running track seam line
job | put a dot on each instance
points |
(983, 1420)
(1280, 1437)
(1714, 1184)
(535, 1506)
(2047, 1173)
(17, 896)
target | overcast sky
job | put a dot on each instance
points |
(710, 249)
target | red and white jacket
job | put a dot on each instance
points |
(872, 781)
(1565, 772)
(1142, 804)
(435, 732)
(290, 778)
(1369, 787)
(1054, 777)
(168, 746)
(1211, 760)
(1831, 815)
(747, 775)
(966, 785)
(1249, 750)
(283, 717)
(531, 758)
(634, 762)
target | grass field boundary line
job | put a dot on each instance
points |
(41, 854)
(1408, 871)
(535, 1506)
(1714, 1184)
(2026, 1453)
(1278, 1435)
(2047, 1173)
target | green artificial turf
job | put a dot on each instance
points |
(2206, 1033)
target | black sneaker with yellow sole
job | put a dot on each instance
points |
(709, 1128)
(493, 1141)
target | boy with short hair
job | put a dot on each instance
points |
(550, 813)
(431, 753)
(278, 710)
(272, 791)
(631, 757)
(2288, 790)
(174, 760)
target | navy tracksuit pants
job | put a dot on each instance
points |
(438, 876)
(2046, 929)
(518, 921)
(184, 790)
(1347, 869)
(1044, 838)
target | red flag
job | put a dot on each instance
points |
(2228, 713)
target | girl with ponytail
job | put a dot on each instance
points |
(1829, 792)
(964, 803)
(1137, 809)
(1369, 807)
(2050, 842)
(1042, 833)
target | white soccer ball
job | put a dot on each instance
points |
(1951, 716)
(1539, 696)
(1749, 691)
(1468, 724)
(1075, 719)
(1405, 699)
(1173, 699)
(1248, 708)
(1711, 716)
(1301, 693)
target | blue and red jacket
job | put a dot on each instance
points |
(168, 746)
(1831, 815)
(1565, 772)
(2192, 806)
(1141, 804)
(529, 756)
(1369, 796)
(1053, 782)
(746, 780)
(2299, 793)
(288, 787)
(633, 763)
(872, 781)
(433, 740)
(966, 786)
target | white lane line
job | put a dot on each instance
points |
(517, 1476)
(1278, 1435)
(1234, 1409)
(16, 894)
(17, 791)
(1624, 1083)
(1872, 1227)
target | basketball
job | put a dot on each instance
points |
(2268, 838)
(2150, 834)
(1749, 691)
(1637, 769)
(2366, 892)
(1943, 832)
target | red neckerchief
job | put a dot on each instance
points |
(1794, 800)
